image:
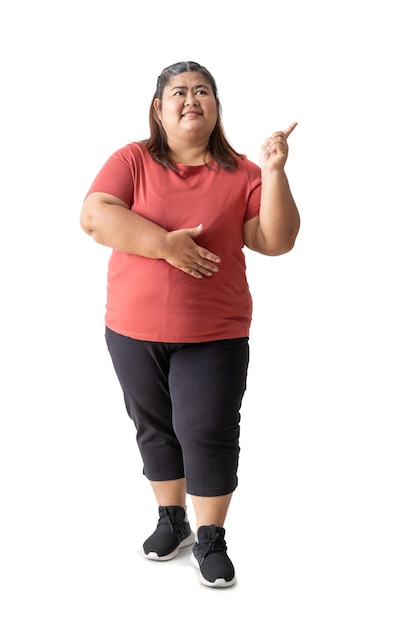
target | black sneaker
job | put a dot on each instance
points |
(172, 533)
(209, 556)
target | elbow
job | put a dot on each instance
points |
(290, 243)
(87, 221)
(283, 246)
(85, 224)
(285, 249)
(278, 250)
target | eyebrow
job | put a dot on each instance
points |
(185, 87)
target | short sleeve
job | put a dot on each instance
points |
(117, 176)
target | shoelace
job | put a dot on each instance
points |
(209, 545)
(167, 520)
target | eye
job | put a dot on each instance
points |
(178, 93)
(200, 92)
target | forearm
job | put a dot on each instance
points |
(119, 228)
(279, 219)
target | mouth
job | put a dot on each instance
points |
(191, 115)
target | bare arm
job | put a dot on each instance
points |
(276, 228)
(110, 222)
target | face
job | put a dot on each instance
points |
(188, 108)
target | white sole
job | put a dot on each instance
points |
(219, 582)
(153, 556)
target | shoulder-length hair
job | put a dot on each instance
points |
(222, 152)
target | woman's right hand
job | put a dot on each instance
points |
(181, 251)
(110, 222)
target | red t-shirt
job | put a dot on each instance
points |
(150, 299)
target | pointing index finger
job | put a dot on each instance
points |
(290, 128)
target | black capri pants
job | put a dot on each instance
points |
(185, 400)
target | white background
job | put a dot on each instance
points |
(322, 529)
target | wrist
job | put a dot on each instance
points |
(162, 247)
(273, 173)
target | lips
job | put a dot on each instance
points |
(191, 114)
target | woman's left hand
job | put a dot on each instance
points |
(274, 150)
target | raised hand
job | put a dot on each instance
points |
(274, 150)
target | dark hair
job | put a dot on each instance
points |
(157, 144)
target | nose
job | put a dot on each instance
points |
(191, 98)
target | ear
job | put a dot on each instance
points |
(157, 107)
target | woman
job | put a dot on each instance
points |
(177, 210)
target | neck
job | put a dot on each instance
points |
(189, 155)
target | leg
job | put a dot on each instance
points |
(212, 510)
(142, 370)
(169, 492)
(207, 383)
